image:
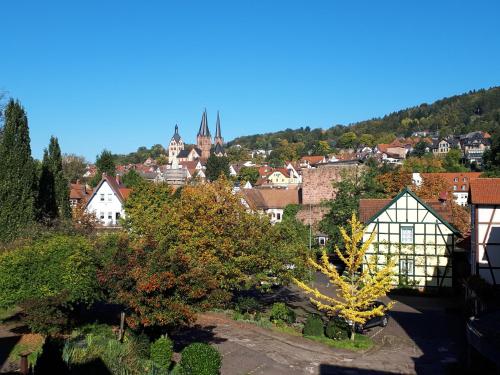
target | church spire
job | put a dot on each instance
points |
(217, 127)
(204, 131)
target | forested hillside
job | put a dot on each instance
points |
(475, 110)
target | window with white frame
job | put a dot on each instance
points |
(110, 216)
(102, 197)
(101, 215)
(407, 266)
(110, 197)
(406, 234)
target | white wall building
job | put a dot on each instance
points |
(107, 201)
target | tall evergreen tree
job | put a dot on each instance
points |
(46, 199)
(53, 192)
(60, 181)
(17, 174)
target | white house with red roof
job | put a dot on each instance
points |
(107, 201)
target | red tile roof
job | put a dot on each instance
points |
(370, 207)
(485, 191)
(313, 159)
(270, 198)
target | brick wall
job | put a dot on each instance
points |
(317, 183)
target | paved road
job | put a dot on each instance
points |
(424, 336)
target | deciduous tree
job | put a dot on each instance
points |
(356, 291)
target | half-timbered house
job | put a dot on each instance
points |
(484, 198)
(416, 233)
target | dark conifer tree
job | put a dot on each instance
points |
(17, 174)
(60, 182)
(46, 200)
(53, 192)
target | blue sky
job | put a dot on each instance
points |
(120, 74)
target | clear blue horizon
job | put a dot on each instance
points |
(121, 74)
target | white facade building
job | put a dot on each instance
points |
(107, 201)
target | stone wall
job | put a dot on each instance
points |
(317, 184)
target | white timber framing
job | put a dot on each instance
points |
(486, 242)
(426, 260)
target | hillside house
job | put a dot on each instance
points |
(270, 202)
(417, 233)
(484, 198)
(107, 201)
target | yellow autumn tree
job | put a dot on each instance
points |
(357, 289)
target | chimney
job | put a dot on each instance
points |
(443, 197)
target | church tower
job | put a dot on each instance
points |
(203, 139)
(218, 140)
(176, 145)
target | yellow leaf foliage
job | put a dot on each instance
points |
(356, 290)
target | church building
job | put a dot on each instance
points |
(176, 145)
(203, 139)
(203, 146)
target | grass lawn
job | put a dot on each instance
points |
(360, 342)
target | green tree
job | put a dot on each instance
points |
(491, 158)
(452, 161)
(73, 167)
(348, 140)
(132, 179)
(105, 163)
(420, 149)
(53, 192)
(216, 166)
(250, 174)
(367, 140)
(321, 148)
(46, 199)
(17, 174)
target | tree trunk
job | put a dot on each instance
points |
(353, 331)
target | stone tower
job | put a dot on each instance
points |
(203, 139)
(176, 145)
(218, 140)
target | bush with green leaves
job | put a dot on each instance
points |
(247, 305)
(90, 345)
(161, 353)
(337, 329)
(200, 359)
(46, 315)
(313, 326)
(281, 313)
(50, 266)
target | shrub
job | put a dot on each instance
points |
(200, 359)
(281, 313)
(48, 267)
(46, 315)
(161, 353)
(337, 329)
(247, 305)
(96, 344)
(313, 326)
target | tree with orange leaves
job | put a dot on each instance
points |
(436, 187)
(393, 182)
(194, 250)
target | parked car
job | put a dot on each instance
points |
(376, 321)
